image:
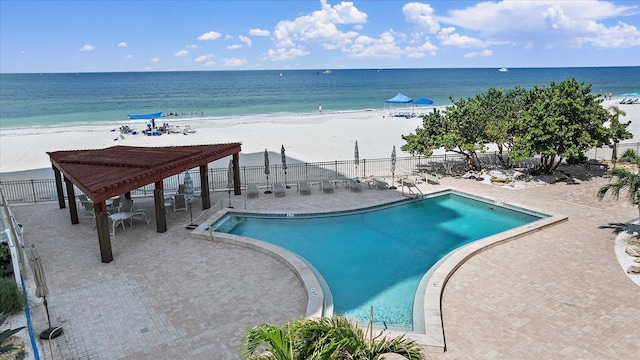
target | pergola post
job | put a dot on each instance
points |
(73, 208)
(104, 237)
(59, 189)
(236, 174)
(204, 187)
(161, 212)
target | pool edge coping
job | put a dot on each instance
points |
(433, 336)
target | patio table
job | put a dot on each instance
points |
(119, 218)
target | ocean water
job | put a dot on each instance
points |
(33, 100)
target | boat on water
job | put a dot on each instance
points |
(144, 116)
(327, 71)
(503, 69)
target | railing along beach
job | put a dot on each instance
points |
(44, 190)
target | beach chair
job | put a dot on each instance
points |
(354, 185)
(179, 202)
(379, 184)
(278, 189)
(304, 188)
(327, 186)
(252, 190)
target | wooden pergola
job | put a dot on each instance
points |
(105, 173)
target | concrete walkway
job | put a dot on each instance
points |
(558, 293)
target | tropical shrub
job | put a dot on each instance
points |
(6, 334)
(629, 156)
(11, 298)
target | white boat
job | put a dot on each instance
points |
(327, 72)
(503, 69)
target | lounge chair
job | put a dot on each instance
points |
(304, 188)
(354, 185)
(379, 184)
(327, 186)
(278, 189)
(252, 190)
(432, 179)
(179, 202)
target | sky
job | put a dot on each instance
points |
(112, 36)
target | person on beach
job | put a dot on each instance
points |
(153, 123)
(320, 108)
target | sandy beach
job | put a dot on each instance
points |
(309, 138)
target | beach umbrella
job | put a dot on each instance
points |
(284, 166)
(42, 291)
(356, 158)
(393, 166)
(230, 180)
(188, 194)
(266, 169)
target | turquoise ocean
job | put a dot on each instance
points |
(60, 99)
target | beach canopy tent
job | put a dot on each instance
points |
(631, 94)
(423, 101)
(399, 99)
(105, 173)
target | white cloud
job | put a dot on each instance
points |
(228, 37)
(447, 36)
(129, 57)
(234, 62)
(383, 47)
(192, 46)
(281, 54)
(421, 51)
(421, 15)
(259, 32)
(245, 40)
(321, 26)
(234, 47)
(482, 53)
(203, 58)
(87, 47)
(209, 64)
(122, 44)
(181, 53)
(548, 23)
(211, 35)
(154, 60)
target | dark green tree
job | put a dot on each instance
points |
(561, 121)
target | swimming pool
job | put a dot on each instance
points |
(379, 256)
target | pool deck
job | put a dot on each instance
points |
(557, 293)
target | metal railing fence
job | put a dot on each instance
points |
(34, 191)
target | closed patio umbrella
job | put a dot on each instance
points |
(188, 195)
(230, 180)
(284, 166)
(393, 167)
(42, 291)
(266, 169)
(356, 158)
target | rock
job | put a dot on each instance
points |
(633, 250)
(633, 269)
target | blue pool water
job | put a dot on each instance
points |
(377, 258)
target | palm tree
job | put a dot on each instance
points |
(617, 130)
(624, 179)
(326, 338)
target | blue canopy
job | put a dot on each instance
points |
(632, 94)
(423, 101)
(145, 116)
(399, 99)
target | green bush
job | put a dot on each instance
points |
(11, 299)
(629, 156)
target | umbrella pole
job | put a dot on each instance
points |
(191, 224)
(285, 181)
(230, 207)
(268, 191)
(49, 333)
(392, 187)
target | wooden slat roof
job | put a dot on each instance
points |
(105, 173)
